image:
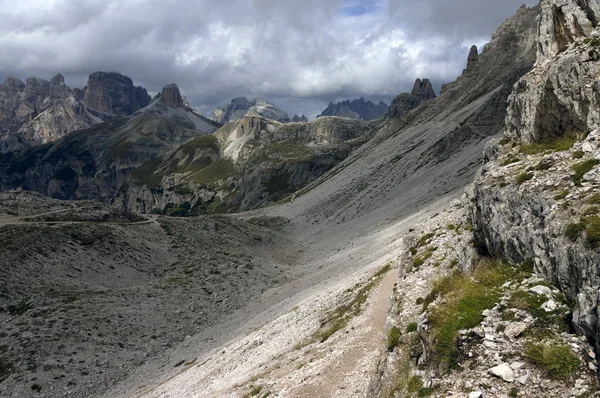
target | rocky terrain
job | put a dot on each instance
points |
(248, 163)
(239, 107)
(41, 111)
(356, 109)
(299, 119)
(94, 163)
(493, 294)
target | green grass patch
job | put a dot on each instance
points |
(573, 231)
(393, 338)
(594, 199)
(592, 231)
(220, 170)
(581, 168)
(465, 299)
(415, 384)
(557, 361)
(412, 327)
(560, 144)
(578, 154)
(524, 176)
(561, 195)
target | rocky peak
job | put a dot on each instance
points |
(423, 89)
(171, 97)
(37, 87)
(242, 101)
(472, 60)
(110, 95)
(356, 109)
(15, 83)
(562, 22)
(57, 80)
(298, 119)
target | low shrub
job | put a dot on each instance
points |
(556, 360)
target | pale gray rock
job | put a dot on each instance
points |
(504, 372)
(540, 290)
(514, 329)
(239, 107)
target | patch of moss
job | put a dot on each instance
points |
(573, 231)
(412, 327)
(578, 154)
(594, 199)
(415, 384)
(561, 195)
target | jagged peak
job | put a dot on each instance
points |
(14, 82)
(171, 97)
(423, 89)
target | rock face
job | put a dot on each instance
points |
(404, 103)
(423, 89)
(299, 119)
(110, 95)
(95, 163)
(247, 163)
(527, 220)
(171, 97)
(472, 59)
(239, 107)
(39, 111)
(356, 109)
(42, 111)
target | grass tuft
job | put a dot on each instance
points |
(393, 338)
(581, 168)
(556, 145)
(556, 360)
(524, 176)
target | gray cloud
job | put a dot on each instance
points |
(298, 54)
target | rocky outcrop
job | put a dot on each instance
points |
(472, 59)
(171, 97)
(239, 107)
(110, 95)
(248, 163)
(423, 89)
(38, 112)
(561, 96)
(299, 119)
(528, 220)
(356, 109)
(404, 103)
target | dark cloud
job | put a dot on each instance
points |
(298, 54)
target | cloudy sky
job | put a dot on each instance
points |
(299, 54)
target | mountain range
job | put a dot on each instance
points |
(448, 247)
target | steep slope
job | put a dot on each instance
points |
(247, 163)
(94, 163)
(356, 109)
(404, 103)
(239, 107)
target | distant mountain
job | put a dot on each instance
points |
(239, 107)
(357, 109)
(298, 119)
(94, 163)
(41, 111)
(421, 92)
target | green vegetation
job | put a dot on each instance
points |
(514, 392)
(215, 172)
(393, 338)
(578, 154)
(590, 224)
(466, 297)
(556, 360)
(560, 144)
(412, 327)
(119, 149)
(510, 159)
(593, 41)
(581, 168)
(255, 391)
(574, 230)
(415, 384)
(594, 199)
(524, 176)
(561, 195)
(278, 183)
(543, 165)
(420, 260)
(420, 301)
